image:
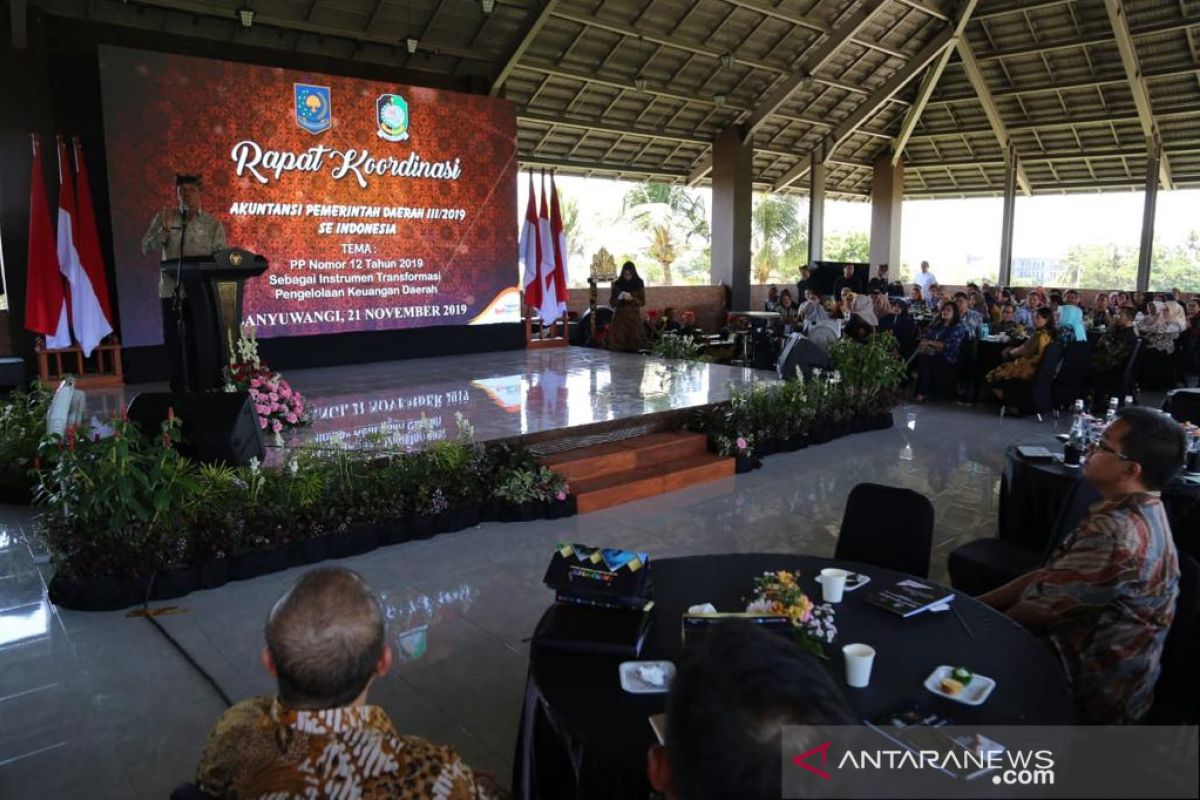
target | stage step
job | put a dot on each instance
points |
(642, 451)
(609, 474)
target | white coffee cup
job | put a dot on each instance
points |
(833, 584)
(859, 659)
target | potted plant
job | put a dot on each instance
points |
(22, 425)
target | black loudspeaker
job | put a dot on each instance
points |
(798, 351)
(217, 426)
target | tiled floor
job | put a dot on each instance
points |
(99, 705)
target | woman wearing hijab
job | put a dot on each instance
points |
(787, 308)
(857, 305)
(626, 333)
(812, 310)
(901, 325)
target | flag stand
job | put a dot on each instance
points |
(101, 370)
(557, 329)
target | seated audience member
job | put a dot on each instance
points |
(688, 326)
(813, 309)
(858, 305)
(937, 354)
(1026, 310)
(1025, 357)
(789, 312)
(1064, 319)
(1160, 327)
(972, 320)
(879, 302)
(1105, 600)
(901, 325)
(1123, 299)
(914, 296)
(1008, 319)
(895, 289)
(1071, 314)
(880, 282)
(1100, 316)
(731, 698)
(317, 737)
(670, 323)
(849, 280)
(1191, 339)
(1110, 354)
(934, 299)
(772, 301)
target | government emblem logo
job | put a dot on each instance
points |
(391, 112)
(313, 109)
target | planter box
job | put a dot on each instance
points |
(174, 582)
(212, 574)
(104, 593)
(562, 508)
(395, 532)
(743, 464)
(308, 551)
(261, 562)
(356, 541)
(15, 489)
(420, 526)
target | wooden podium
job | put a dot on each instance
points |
(212, 310)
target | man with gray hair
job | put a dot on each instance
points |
(318, 738)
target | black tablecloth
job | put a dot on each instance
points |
(583, 736)
(1033, 492)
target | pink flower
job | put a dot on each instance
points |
(273, 397)
(276, 426)
(255, 383)
(291, 418)
(561, 496)
(741, 443)
(262, 422)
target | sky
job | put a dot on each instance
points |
(956, 236)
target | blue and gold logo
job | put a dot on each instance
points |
(391, 112)
(313, 109)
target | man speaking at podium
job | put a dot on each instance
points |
(201, 234)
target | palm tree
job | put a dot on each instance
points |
(779, 235)
(572, 226)
(670, 215)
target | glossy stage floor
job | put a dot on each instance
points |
(529, 393)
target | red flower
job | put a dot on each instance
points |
(70, 437)
(170, 413)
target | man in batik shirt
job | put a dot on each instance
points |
(1105, 600)
(317, 738)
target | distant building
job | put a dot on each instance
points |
(1036, 271)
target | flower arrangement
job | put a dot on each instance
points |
(736, 446)
(277, 404)
(780, 593)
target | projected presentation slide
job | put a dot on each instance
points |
(379, 206)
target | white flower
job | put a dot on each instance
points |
(294, 466)
(254, 465)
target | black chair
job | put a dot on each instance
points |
(1035, 397)
(888, 527)
(985, 564)
(1176, 695)
(1071, 383)
(1183, 405)
(1128, 387)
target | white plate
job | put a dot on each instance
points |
(974, 693)
(632, 682)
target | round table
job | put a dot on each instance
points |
(583, 736)
(1034, 492)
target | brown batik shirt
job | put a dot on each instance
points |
(260, 749)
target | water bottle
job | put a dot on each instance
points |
(1111, 416)
(984, 331)
(1128, 400)
(1192, 460)
(1073, 452)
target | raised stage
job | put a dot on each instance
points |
(551, 399)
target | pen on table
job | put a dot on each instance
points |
(962, 621)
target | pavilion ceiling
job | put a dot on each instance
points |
(639, 88)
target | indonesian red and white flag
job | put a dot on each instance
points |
(531, 252)
(549, 308)
(560, 249)
(87, 240)
(87, 317)
(45, 298)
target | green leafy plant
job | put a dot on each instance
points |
(22, 425)
(672, 345)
